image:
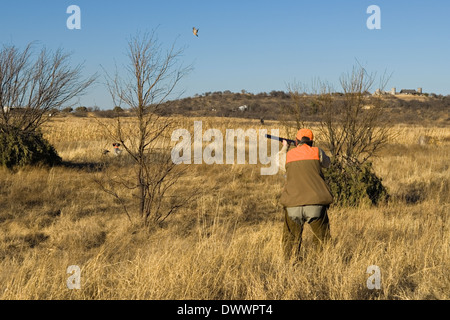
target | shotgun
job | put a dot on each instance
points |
(289, 141)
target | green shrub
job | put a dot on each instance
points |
(20, 148)
(81, 109)
(355, 185)
(118, 109)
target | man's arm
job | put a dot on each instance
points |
(325, 161)
(281, 157)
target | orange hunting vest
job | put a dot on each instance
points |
(305, 184)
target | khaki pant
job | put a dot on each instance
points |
(295, 218)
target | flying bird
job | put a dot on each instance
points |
(195, 31)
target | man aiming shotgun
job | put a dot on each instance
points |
(306, 196)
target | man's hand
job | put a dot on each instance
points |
(285, 143)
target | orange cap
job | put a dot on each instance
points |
(305, 133)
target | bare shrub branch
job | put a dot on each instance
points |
(29, 88)
(149, 79)
(351, 123)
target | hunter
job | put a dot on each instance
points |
(306, 196)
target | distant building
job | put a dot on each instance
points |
(378, 92)
(394, 92)
(243, 108)
(408, 91)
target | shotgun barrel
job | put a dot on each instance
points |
(289, 141)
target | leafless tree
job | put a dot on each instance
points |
(351, 124)
(148, 80)
(31, 86)
(301, 105)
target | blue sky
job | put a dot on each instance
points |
(258, 46)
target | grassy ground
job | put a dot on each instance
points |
(226, 244)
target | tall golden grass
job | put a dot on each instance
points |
(226, 244)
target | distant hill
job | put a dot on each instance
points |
(410, 109)
(227, 104)
(268, 106)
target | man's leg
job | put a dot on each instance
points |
(292, 234)
(317, 218)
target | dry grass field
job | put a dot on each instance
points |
(227, 243)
